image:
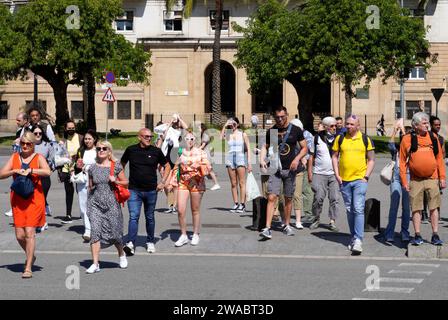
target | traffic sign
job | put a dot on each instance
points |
(109, 96)
(110, 77)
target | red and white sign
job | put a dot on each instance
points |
(109, 96)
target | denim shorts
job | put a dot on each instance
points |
(235, 160)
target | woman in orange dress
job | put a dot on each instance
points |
(28, 213)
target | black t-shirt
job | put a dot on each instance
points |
(288, 152)
(143, 166)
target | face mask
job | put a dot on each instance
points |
(70, 132)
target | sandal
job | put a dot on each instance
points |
(27, 274)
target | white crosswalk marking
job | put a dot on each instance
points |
(426, 273)
(401, 280)
(390, 289)
(429, 265)
(366, 299)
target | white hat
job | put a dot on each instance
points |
(297, 123)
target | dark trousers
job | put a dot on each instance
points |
(46, 184)
(69, 191)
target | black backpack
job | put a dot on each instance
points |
(414, 143)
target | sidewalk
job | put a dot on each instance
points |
(224, 232)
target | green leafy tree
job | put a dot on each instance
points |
(64, 51)
(12, 49)
(324, 40)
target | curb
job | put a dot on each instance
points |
(427, 252)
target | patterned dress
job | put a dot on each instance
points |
(103, 209)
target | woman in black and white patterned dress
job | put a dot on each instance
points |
(103, 210)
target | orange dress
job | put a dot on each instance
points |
(28, 212)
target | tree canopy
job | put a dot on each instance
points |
(66, 49)
(332, 39)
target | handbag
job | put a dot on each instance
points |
(121, 193)
(387, 173)
(23, 185)
(80, 178)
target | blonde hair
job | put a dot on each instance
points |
(109, 146)
(28, 136)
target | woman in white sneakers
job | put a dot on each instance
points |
(189, 176)
(103, 209)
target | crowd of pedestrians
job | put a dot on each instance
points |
(299, 170)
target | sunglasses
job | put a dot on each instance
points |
(102, 149)
(333, 126)
(279, 117)
(147, 137)
(37, 133)
(28, 144)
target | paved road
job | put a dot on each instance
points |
(229, 263)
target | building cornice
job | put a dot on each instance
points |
(194, 43)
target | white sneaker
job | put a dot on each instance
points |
(195, 240)
(215, 187)
(8, 213)
(129, 249)
(357, 246)
(123, 262)
(170, 210)
(150, 248)
(174, 211)
(235, 207)
(86, 236)
(93, 269)
(299, 226)
(183, 239)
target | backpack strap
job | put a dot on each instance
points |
(414, 143)
(435, 144)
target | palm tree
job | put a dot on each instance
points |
(216, 76)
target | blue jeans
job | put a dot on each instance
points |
(149, 200)
(397, 191)
(354, 195)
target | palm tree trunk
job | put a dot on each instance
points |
(216, 79)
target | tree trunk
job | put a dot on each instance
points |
(60, 96)
(216, 78)
(349, 94)
(306, 91)
(56, 79)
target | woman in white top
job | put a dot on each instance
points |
(85, 157)
(236, 161)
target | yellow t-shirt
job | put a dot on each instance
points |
(72, 148)
(352, 156)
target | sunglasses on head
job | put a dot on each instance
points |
(102, 149)
(28, 144)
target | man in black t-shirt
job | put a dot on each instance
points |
(143, 160)
(290, 151)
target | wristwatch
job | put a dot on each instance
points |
(366, 178)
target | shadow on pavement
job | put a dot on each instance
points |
(103, 265)
(397, 243)
(173, 234)
(77, 229)
(18, 267)
(220, 209)
(338, 237)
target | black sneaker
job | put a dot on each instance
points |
(418, 240)
(435, 240)
(67, 219)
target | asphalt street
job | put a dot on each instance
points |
(229, 263)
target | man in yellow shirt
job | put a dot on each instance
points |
(353, 161)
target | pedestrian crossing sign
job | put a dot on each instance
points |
(109, 96)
